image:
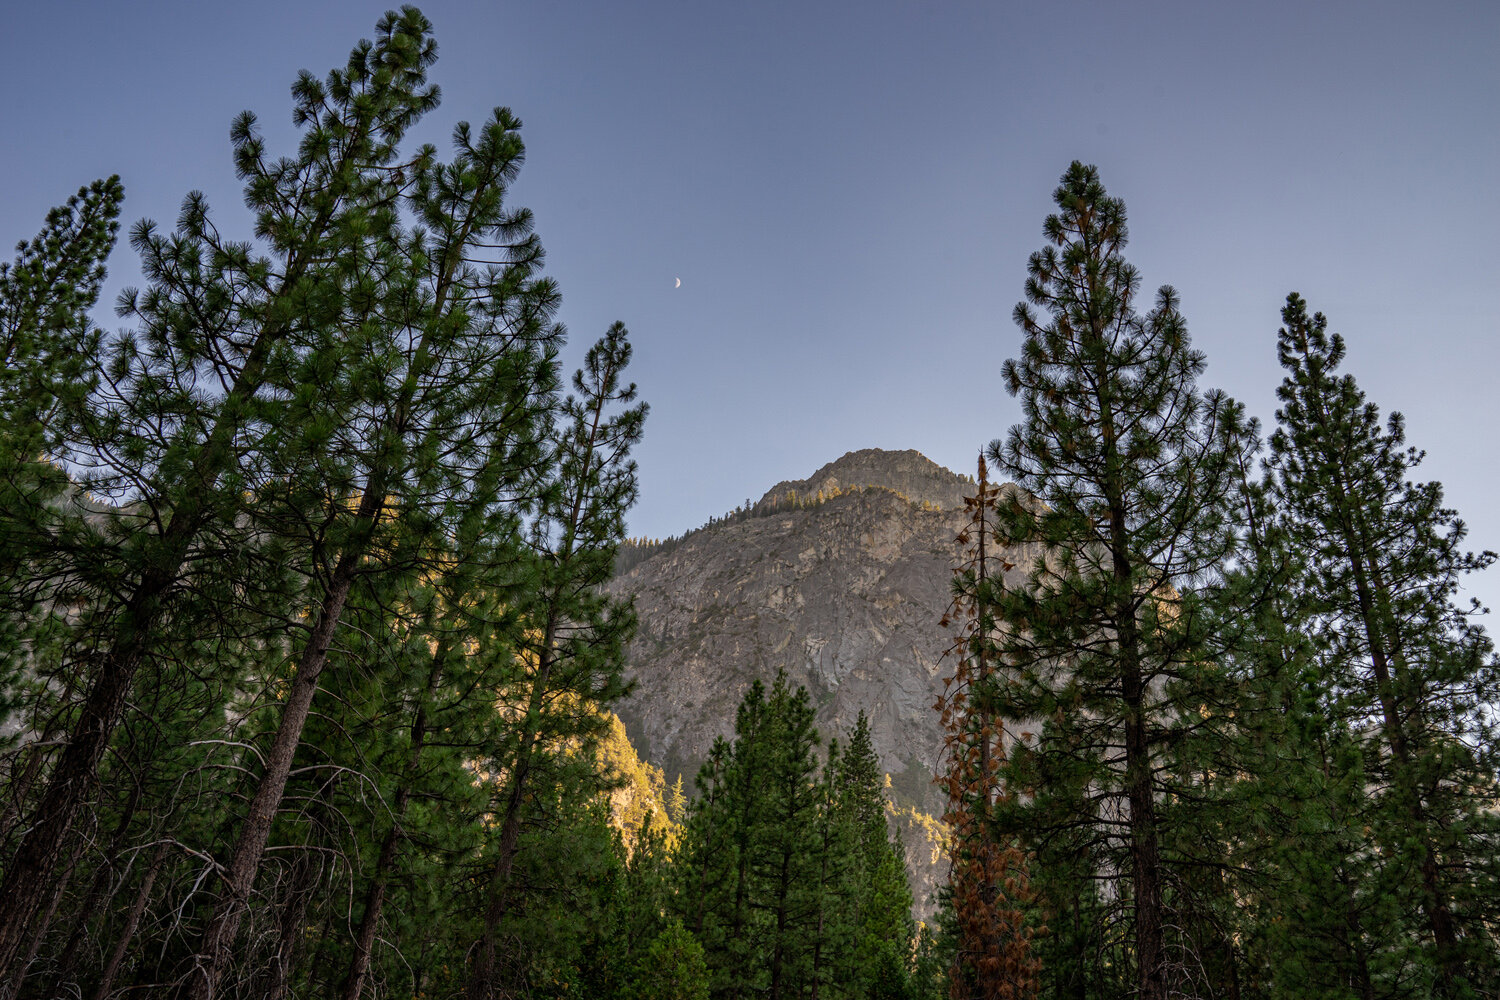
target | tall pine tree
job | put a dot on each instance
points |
(1103, 647)
(1410, 674)
(180, 407)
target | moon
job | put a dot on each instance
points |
(679, 282)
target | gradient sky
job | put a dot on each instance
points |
(849, 192)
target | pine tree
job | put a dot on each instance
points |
(988, 889)
(1411, 673)
(671, 969)
(1309, 916)
(1131, 469)
(156, 435)
(712, 875)
(47, 344)
(877, 901)
(433, 393)
(47, 341)
(571, 660)
(784, 846)
(753, 873)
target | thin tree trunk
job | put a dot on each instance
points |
(133, 921)
(364, 941)
(20, 787)
(218, 938)
(97, 891)
(482, 974)
(1145, 854)
(30, 874)
(38, 931)
(279, 969)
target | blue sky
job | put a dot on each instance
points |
(848, 192)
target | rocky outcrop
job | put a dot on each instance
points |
(843, 591)
(909, 473)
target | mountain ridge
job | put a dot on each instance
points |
(841, 580)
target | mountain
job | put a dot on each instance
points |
(840, 579)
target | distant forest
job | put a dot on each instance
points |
(308, 665)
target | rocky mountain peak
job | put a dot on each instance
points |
(840, 580)
(909, 473)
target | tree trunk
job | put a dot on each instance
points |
(133, 921)
(278, 973)
(1144, 853)
(97, 891)
(29, 876)
(364, 941)
(218, 938)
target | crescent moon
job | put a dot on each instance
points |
(679, 282)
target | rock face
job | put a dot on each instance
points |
(843, 590)
(909, 473)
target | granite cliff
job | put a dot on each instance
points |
(840, 579)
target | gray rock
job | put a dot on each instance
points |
(845, 595)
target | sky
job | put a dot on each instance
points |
(848, 193)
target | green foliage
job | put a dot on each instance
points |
(1404, 676)
(322, 608)
(672, 968)
(1125, 475)
(791, 882)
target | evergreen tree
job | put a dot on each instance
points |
(46, 345)
(754, 875)
(1309, 916)
(1131, 470)
(1408, 674)
(671, 969)
(179, 409)
(878, 906)
(988, 884)
(784, 851)
(430, 408)
(712, 893)
(570, 661)
(47, 342)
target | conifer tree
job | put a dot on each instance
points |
(784, 848)
(154, 434)
(988, 883)
(1131, 469)
(432, 395)
(570, 661)
(713, 884)
(1311, 917)
(47, 341)
(671, 969)
(47, 344)
(1408, 672)
(877, 901)
(758, 865)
